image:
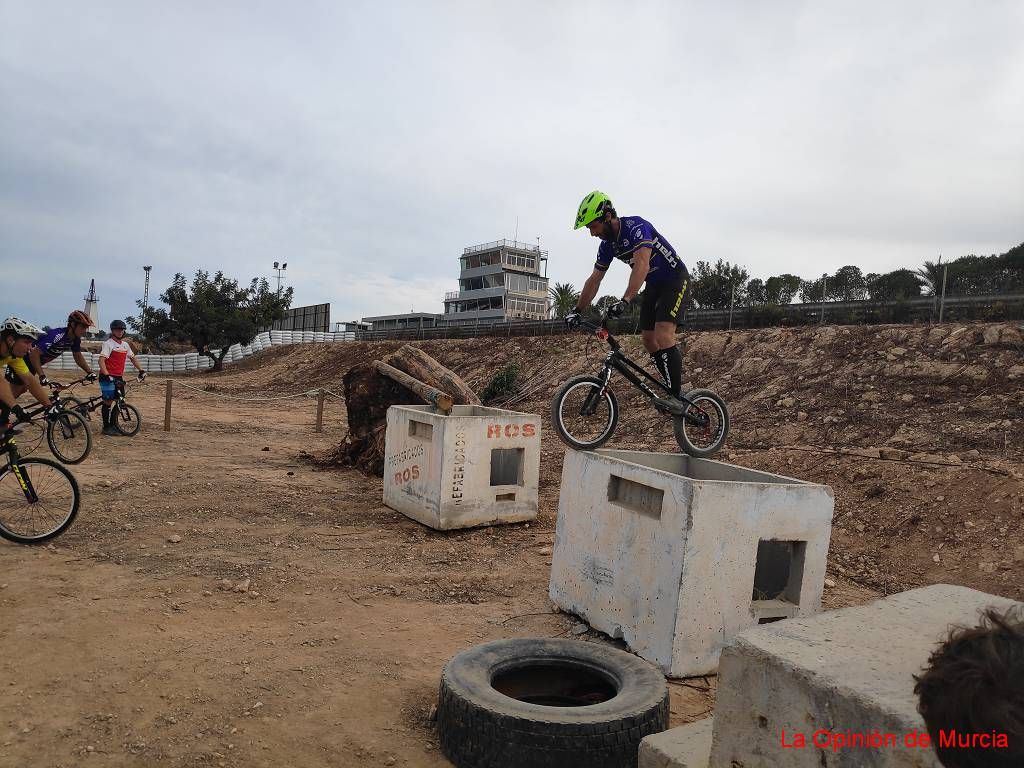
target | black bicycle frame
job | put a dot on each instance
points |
(617, 360)
(9, 447)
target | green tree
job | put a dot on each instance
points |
(213, 312)
(713, 285)
(781, 289)
(564, 298)
(898, 284)
(756, 292)
(847, 284)
(813, 291)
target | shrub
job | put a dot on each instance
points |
(502, 385)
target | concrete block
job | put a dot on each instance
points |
(476, 466)
(688, 746)
(842, 672)
(677, 555)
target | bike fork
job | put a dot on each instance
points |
(25, 482)
(591, 403)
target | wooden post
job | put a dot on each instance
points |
(167, 407)
(320, 411)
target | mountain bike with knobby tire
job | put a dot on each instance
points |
(67, 433)
(39, 498)
(585, 412)
(124, 416)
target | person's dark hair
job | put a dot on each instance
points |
(974, 684)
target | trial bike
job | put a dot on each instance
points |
(585, 412)
(124, 416)
(39, 498)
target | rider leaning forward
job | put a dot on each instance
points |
(52, 345)
(16, 337)
(115, 352)
(655, 262)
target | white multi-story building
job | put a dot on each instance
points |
(499, 281)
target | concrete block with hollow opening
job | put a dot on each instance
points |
(843, 672)
(677, 555)
(475, 466)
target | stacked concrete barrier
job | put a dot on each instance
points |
(476, 466)
(834, 689)
(677, 555)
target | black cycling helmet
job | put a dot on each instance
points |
(118, 325)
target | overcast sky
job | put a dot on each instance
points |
(366, 144)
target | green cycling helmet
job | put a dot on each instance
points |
(592, 208)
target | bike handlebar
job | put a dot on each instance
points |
(601, 331)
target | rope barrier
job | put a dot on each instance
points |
(307, 393)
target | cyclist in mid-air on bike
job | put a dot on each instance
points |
(16, 336)
(654, 262)
(115, 352)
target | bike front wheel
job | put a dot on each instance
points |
(702, 429)
(126, 419)
(68, 436)
(38, 500)
(584, 413)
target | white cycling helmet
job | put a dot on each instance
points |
(20, 327)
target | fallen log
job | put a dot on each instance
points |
(371, 388)
(418, 364)
(440, 400)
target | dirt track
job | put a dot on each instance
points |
(122, 648)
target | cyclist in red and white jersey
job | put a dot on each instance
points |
(113, 356)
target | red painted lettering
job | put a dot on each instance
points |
(529, 430)
(494, 430)
(511, 430)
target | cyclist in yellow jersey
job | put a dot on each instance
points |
(16, 336)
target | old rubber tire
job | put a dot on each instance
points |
(481, 727)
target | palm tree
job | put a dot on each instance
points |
(564, 298)
(931, 274)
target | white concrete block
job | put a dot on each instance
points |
(842, 672)
(667, 552)
(688, 746)
(478, 466)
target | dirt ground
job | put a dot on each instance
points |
(219, 601)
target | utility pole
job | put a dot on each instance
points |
(280, 268)
(942, 301)
(145, 300)
(732, 300)
(824, 286)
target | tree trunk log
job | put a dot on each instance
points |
(418, 364)
(406, 377)
(437, 398)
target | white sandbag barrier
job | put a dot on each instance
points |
(193, 361)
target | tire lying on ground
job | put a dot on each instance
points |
(533, 703)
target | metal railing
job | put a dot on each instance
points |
(924, 309)
(495, 244)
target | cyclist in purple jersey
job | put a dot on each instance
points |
(52, 345)
(654, 262)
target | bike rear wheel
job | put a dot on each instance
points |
(68, 436)
(41, 508)
(705, 438)
(584, 413)
(125, 418)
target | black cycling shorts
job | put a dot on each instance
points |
(663, 303)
